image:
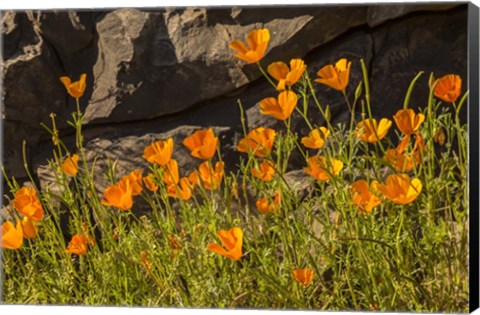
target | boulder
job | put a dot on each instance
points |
(157, 73)
(378, 14)
(145, 57)
(432, 43)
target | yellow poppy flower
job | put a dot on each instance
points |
(284, 75)
(400, 189)
(336, 76)
(257, 45)
(232, 240)
(369, 131)
(448, 88)
(75, 89)
(202, 144)
(280, 108)
(316, 138)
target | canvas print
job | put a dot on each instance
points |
(269, 157)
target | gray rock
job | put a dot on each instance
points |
(378, 14)
(430, 43)
(124, 149)
(150, 71)
(32, 89)
(145, 56)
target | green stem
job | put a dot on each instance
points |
(327, 120)
(367, 99)
(347, 102)
(266, 76)
(305, 118)
(399, 231)
(410, 90)
(460, 139)
(350, 138)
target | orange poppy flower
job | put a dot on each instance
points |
(202, 144)
(400, 189)
(183, 190)
(90, 239)
(336, 76)
(170, 173)
(266, 171)
(448, 88)
(70, 165)
(159, 152)
(27, 203)
(403, 144)
(316, 138)
(407, 121)
(234, 191)
(232, 240)
(363, 197)
(78, 245)
(135, 181)
(11, 235)
(257, 46)
(264, 206)
(369, 131)
(321, 168)
(145, 261)
(440, 137)
(280, 108)
(193, 178)
(149, 182)
(75, 89)
(210, 178)
(285, 76)
(403, 161)
(174, 245)
(419, 143)
(303, 276)
(29, 227)
(259, 141)
(119, 196)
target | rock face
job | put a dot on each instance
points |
(166, 72)
(144, 57)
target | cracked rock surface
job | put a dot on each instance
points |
(157, 73)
